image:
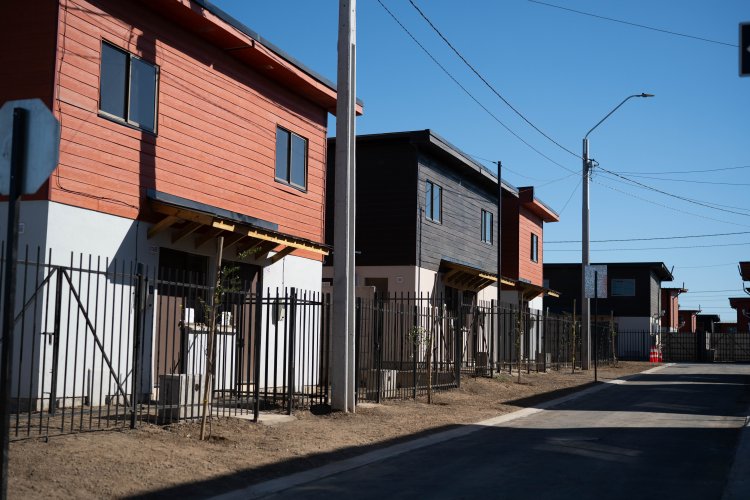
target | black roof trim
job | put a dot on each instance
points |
(180, 202)
(659, 267)
(234, 22)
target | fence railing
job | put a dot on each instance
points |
(104, 344)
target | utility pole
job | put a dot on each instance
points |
(343, 341)
(585, 304)
(499, 342)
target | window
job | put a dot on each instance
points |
(433, 202)
(623, 287)
(487, 226)
(534, 248)
(291, 158)
(127, 88)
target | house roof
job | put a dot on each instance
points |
(432, 141)
(208, 21)
(737, 302)
(535, 205)
(709, 317)
(658, 267)
(745, 270)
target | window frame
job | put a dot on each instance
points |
(534, 254)
(488, 225)
(430, 190)
(128, 71)
(289, 159)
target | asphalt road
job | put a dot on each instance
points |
(670, 434)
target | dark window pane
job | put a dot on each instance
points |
(436, 191)
(113, 81)
(142, 94)
(282, 154)
(299, 161)
(428, 200)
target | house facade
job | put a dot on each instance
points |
(670, 303)
(427, 222)
(180, 128)
(634, 295)
(688, 320)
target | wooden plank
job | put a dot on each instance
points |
(207, 236)
(160, 226)
(233, 240)
(281, 254)
(183, 233)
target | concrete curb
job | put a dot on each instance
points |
(283, 483)
(738, 481)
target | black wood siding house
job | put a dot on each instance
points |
(633, 293)
(426, 217)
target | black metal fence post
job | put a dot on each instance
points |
(140, 305)
(292, 319)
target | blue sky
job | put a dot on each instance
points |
(564, 71)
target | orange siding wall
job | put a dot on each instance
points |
(527, 269)
(216, 125)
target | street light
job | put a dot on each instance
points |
(585, 306)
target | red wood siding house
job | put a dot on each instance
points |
(222, 95)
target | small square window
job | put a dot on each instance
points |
(534, 248)
(127, 88)
(291, 158)
(487, 226)
(433, 202)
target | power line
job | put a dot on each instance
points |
(429, 54)
(571, 196)
(692, 181)
(654, 238)
(649, 248)
(667, 172)
(488, 84)
(634, 24)
(685, 212)
(682, 198)
(712, 291)
(704, 267)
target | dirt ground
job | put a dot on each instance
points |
(171, 462)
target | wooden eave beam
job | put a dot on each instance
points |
(189, 229)
(163, 224)
(208, 236)
(281, 254)
(233, 240)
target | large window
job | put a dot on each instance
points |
(291, 158)
(433, 202)
(127, 88)
(534, 248)
(487, 226)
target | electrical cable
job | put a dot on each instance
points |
(680, 237)
(682, 198)
(691, 181)
(668, 207)
(747, 243)
(429, 54)
(668, 172)
(488, 84)
(634, 24)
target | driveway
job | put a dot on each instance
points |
(669, 434)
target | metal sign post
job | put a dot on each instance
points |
(25, 165)
(17, 160)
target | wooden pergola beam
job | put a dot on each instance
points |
(189, 229)
(207, 236)
(281, 254)
(163, 224)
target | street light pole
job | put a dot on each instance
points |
(585, 304)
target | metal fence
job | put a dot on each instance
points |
(103, 344)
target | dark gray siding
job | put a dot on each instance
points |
(567, 280)
(458, 237)
(386, 203)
